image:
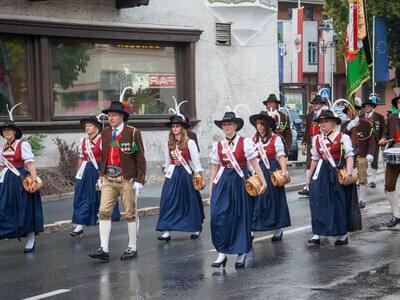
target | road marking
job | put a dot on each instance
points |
(262, 238)
(49, 294)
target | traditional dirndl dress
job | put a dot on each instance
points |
(180, 208)
(328, 200)
(270, 210)
(86, 198)
(231, 206)
(20, 211)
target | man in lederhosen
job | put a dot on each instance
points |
(283, 128)
(312, 129)
(391, 136)
(378, 123)
(363, 140)
(123, 174)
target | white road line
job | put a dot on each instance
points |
(49, 294)
(261, 238)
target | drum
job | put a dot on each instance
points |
(198, 182)
(277, 178)
(28, 181)
(253, 185)
(392, 155)
(342, 174)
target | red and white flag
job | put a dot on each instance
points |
(297, 44)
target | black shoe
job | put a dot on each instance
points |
(392, 222)
(314, 241)
(161, 238)
(100, 254)
(304, 192)
(277, 238)
(361, 204)
(218, 264)
(128, 254)
(241, 265)
(372, 185)
(76, 233)
(342, 242)
(194, 236)
(30, 250)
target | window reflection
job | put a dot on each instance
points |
(88, 76)
(13, 83)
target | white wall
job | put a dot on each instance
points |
(224, 75)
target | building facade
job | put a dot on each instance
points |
(64, 59)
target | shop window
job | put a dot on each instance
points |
(308, 13)
(13, 76)
(312, 53)
(87, 77)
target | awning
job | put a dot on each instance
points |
(130, 3)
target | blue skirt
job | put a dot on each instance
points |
(87, 199)
(328, 203)
(270, 210)
(180, 208)
(20, 212)
(231, 214)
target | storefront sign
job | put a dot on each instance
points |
(161, 80)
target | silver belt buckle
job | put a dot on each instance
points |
(113, 171)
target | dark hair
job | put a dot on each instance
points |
(267, 128)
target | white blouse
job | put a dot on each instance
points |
(26, 152)
(279, 147)
(345, 140)
(249, 148)
(195, 163)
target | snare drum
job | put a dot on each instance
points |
(392, 155)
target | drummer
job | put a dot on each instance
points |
(391, 138)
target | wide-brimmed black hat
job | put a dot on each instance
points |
(328, 114)
(176, 119)
(271, 98)
(230, 117)
(93, 120)
(318, 99)
(117, 106)
(369, 102)
(11, 124)
(263, 115)
(394, 101)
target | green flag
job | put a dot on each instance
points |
(357, 72)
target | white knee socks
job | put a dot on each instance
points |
(278, 232)
(373, 175)
(105, 230)
(132, 235)
(166, 234)
(240, 258)
(363, 193)
(78, 228)
(220, 258)
(394, 203)
(30, 242)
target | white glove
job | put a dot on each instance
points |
(137, 186)
(99, 184)
(353, 123)
(370, 158)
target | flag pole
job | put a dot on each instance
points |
(373, 55)
(298, 3)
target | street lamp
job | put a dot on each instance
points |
(322, 45)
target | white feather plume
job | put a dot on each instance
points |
(177, 110)
(10, 111)
(235, 109)
(274, 113)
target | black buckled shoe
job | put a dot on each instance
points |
(194, 236)
(277, 238)
(392, 222)
(304, 192)
(128, 253)
(100, 254)
(76, 233)
(314, 241)
(221, 263)
(164, 238)
(361, 204)
(342, 242)
(240, 265)
(372, 185)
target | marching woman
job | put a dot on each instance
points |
(21, 213)
(331, 150)
(86, 198)
(270, 210)
(180, 208)
(230, 204)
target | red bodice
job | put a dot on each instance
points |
(334, 147)
(239, 155)
(95, 149)
(16, 157)
(184, 152)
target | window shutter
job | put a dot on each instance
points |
(223, 34)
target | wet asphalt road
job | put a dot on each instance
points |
(369, 267)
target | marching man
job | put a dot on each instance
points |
(123, 174)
